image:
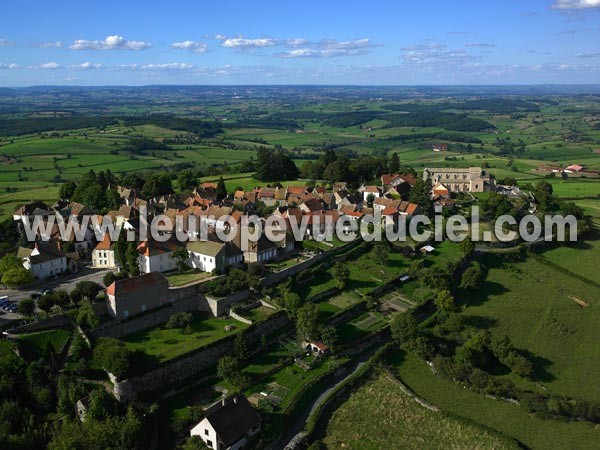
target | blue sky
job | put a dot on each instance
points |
(305, 42)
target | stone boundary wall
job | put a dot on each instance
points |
(220, 306)
(41, 325)
(275, 278)
(236, 316)
(150, 319)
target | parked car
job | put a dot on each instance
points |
(47, 291)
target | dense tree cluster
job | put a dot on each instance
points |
(12, 272)
(32, 125)
(273, 165)
(139, 146)
(447, 121)
(93, 191)
(337, 166)
(236, 281)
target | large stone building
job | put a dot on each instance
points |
(470, 179)
(131, 296)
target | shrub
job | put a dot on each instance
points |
(180, 320)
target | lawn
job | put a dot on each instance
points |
(181, 279)
(504, 417)
(381, 415)
(162, 344)
(534, 304)
(366, 273)
(360, 326)
(258, 314)
(444, 253)
(344, 300)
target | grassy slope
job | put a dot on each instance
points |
(505, 417)
(380, 415)
(530, 303)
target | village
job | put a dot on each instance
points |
(256, 292)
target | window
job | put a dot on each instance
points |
(209, 443)
(206, 432)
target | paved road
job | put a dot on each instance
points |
(66, 283)
(301, 421)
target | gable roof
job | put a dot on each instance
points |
(208, 248)
(152, 247)
(128, 285)
(233, 420)
(105, 244)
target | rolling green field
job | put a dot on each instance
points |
(534, 304)
(40, 160)
(381, 415)
(507, 418)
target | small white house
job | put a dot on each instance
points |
(208, 256)
(229, 424)
(157, 256)
(43, 261)
(103, 255)
(368, 190)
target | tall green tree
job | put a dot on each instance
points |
(394, 163)
(221, 189)
(133, 259)
(307, 321)
(341, 273)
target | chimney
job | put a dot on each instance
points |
(235, 400)
(223, 400)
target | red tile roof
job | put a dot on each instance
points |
(128, 285)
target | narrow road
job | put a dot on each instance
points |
(66, 283)
(300, 422)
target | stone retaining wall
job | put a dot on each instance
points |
(192, 364)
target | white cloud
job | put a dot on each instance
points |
(157, 67)
(56, 44)
(192, 46)
(85, 66)
(576, 4)
(242, 43)
(5, 43)
(329, 48)
(436, 54)
(113, 42)
(587, 55)
(299, 47)
(8, 66)
(49, 65)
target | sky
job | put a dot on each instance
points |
(374, 42)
